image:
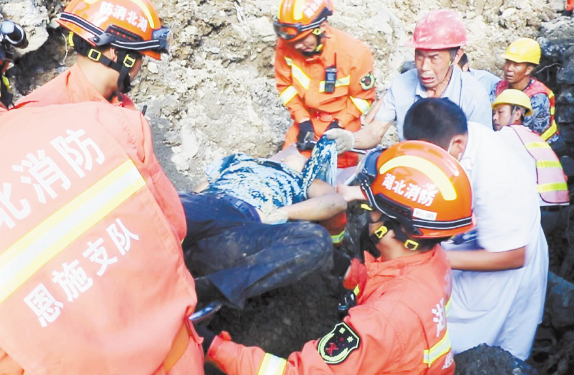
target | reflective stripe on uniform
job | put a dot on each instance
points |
(345, 81)
(338, 237)
(299, 74)
(550, 131)
(288, 94)
(533, 145)
(447, 306)
(548, 164)
(357, 290)
(438, 350)
(556, 186)
(272, 365)
(362, 105)
(36, 248)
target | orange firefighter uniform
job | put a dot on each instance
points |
(93, 277)
(301, 85)
(398, 327)
(72, 86)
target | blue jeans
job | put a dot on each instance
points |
(243, 257)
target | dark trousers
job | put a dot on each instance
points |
(243, 257)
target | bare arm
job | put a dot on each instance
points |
(323, 203)
(483, 260)
(371, 135)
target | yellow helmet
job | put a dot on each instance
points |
(514, 97)
(523, 50)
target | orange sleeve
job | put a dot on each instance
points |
(8, 366)
(165, 192)
(374, 349)
(362, 67)
(284, 82)
(357, 274)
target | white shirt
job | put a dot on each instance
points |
(500, 308)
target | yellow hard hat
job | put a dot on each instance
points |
(514, 97)
(523, 50)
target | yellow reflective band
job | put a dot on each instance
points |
(70, 39)
(362, 105)
(447, 306)
(6, 82)
(146, 11)
(549, 132)
(548, 164)
(366, 207)
(552, 111)
(300, 76)
(550, 95)
(338, 237)
(556, 186)
(27, 255)
(441, 348)
(272, 365)
(345, 81)
(288, 94)
(357, 290)
(298, 9)
(288, 61)
(533, 145)
(438, 177)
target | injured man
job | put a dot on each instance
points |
(249, 225)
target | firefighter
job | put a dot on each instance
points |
(438, 39)
(11, 35)
(93, 277)
(521, 57)
(324, 76)
(418, 196)
(509, 109)
(111, 39)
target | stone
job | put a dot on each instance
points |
(485, 359)
(152, 67)
(560, 301)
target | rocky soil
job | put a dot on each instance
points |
(215, 95)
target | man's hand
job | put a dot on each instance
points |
(277, 216)
(305, 136)
(344, 138)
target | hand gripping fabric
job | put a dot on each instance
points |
(421, 186)
(440, 29)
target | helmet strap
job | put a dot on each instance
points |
(399, 235)
(5, 94)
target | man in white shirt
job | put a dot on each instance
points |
(499, 282)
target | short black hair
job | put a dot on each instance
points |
(434, 120)
(463, 60)
(406, 66)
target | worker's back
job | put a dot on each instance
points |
(93, 280)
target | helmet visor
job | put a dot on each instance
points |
(287, 31)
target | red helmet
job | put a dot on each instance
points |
(440, 29)
(421, 186)
(298, 18)
(132, 25)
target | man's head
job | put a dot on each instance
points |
(509, 108)
(438, 121)
(116, 33)
(521, 57)
(437, 39)
(418, 193)
(303, 23)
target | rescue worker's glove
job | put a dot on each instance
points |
(334, 125)
(306, 136)
(344, 138)
(208, 336)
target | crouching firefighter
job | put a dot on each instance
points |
(419, 195)
(111, 39)
(324, 76)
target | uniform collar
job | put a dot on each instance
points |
(396, 267)
(421, 92)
